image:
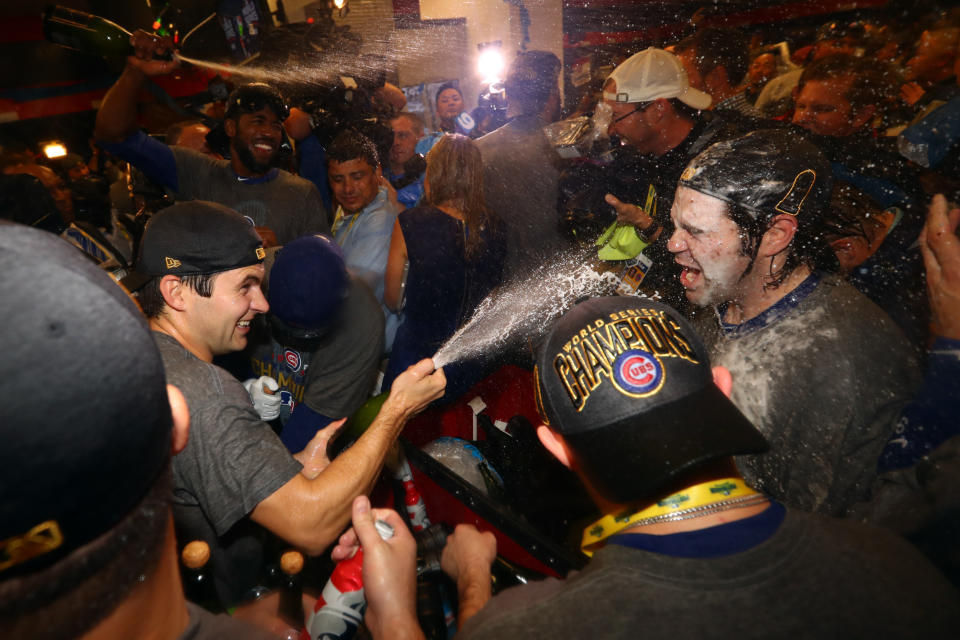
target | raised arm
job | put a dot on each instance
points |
(117, 116)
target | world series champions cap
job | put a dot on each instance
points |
(85, 418)
(628, 384)
(195, 237)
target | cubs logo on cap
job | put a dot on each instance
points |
(637, 373)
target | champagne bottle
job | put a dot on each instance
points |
(356, 425)
(197, 580)
(85, 32)
(291, 590)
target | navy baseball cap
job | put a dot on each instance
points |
(308, 283)
(627, 382)
(85, 418)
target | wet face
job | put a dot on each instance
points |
(821, 107)
(354, 183)
(706, 244)
(449, 104)
(221, 322)
(255, 139)
(631, 124)
(404, 143)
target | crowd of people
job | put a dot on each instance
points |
(762, 410)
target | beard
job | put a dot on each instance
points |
(246, 158)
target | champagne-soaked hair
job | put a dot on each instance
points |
(455, 177)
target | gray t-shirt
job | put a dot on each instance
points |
(824, 378)
(233, 461)
(287, 204)
(336, 376)
(816, 577)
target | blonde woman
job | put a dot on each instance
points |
(445, 257)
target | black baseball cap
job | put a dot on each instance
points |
(85, 419)
(627, 383)
(766, 172)
(195, 237)
(254, 97)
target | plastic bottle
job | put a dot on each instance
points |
(341, 605)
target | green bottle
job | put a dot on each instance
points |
(356, 425)
(85, 32)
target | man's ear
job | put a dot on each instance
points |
(181, 420)
(556, 445)
(230, 126)
(779, 235)
(173, 291)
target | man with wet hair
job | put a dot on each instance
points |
(282, 206)
(820, 370)
(202, 263)
(366, 211)
(87, 547)
(521, 169)
(685, 547)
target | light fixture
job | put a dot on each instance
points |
(339, 4)
(54, 149)
(490, 64)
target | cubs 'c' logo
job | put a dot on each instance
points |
(637, 373)
(292, 358)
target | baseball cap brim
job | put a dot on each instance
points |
(663, 443)
(695, 98)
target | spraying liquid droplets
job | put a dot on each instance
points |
(526, 307)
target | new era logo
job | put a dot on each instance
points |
(171, 263)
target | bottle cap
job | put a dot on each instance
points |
(291, 563)
(196, 554)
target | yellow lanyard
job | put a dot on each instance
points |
(338, 217)
(690, 498)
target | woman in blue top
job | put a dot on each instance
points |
(453, 249)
